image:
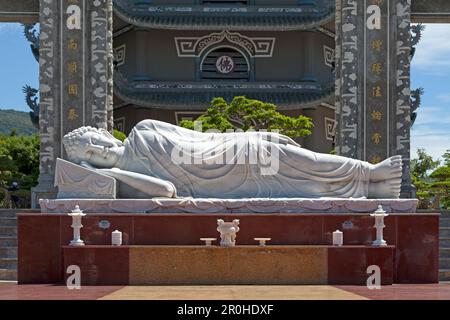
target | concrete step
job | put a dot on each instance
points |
(8, 241)
(444, 222)
(8, 252)
(444, 252)
(8, 263)
(8, 274)
(444, 274)
(8, 231)
(444, 263)
(8, 214)
(8, 222)
(444, 232)
(444, 242)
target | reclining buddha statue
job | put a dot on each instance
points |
(163, 160)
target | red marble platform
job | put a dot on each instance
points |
(415, 237)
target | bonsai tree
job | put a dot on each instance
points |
(420, 168)
(119, 135)
(248, 114)
(441, 187)
(423, 164)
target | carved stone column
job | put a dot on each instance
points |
(75, 77)
(373, 81)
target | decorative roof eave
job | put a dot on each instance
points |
(197, 95)
(196, 17)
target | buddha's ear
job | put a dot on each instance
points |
(109, 135)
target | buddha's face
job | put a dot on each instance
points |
(100, 150)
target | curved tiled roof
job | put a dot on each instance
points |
(196, 95)
(246, 18)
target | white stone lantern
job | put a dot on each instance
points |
(379, 216)
(76, 215)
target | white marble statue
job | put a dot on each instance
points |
(228, 231)
(163, 160)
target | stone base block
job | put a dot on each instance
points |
(189, 205)
(241, 265)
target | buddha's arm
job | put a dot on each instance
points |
(149, 185)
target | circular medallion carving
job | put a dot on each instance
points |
(225, 64)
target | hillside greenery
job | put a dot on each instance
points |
(16, 120)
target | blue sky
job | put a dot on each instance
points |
(17, 67)
(430, 70)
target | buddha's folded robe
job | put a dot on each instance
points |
(74, 181)
(239, 165)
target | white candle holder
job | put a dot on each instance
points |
(262, 241)
(208, 241)
(76, 215)
(338, 238)
(379, 216)
(116, 238)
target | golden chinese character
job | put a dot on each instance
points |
(73, 90)
(377, 45)
(73, 45)
(376, 115)
(376, 92)
(72, 115)
(376, 138)
(377, 68)
(72, 67)
(375, 159)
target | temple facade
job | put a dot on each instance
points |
(173, 57)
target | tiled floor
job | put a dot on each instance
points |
(396, 292)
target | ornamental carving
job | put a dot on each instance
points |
(195, 46)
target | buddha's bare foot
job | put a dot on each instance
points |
(388, 169)
(389, 189)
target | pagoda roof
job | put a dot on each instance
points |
(196, 95)
(219, 17)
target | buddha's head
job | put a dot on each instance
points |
(95, 146)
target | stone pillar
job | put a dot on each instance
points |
(75, 77)
(373, 80)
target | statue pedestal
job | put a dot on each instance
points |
(240, 265)
(44, 190)
(199, 206)
(297, 241)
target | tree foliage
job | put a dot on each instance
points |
(19, 162)
(119, 135)
(433, 189)
(446, 158)
(422, 164)
(248, 114)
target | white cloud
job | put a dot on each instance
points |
(433, 136)
(6, 27)
(433, 115)
(445, 97)
(433, 51)
(434, 144)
